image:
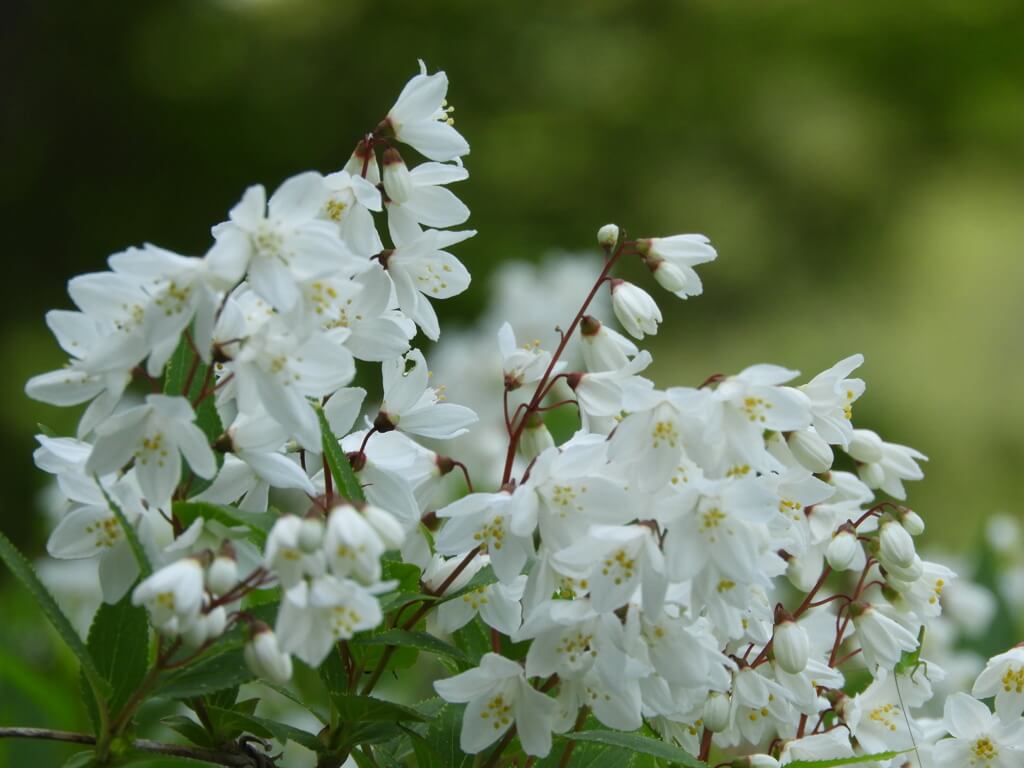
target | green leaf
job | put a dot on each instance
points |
(119, 645)
(259, 523)
(440, 747)
(419, 640)
(267, 728)
(190, 729)
(474, 640)
(24, 572)
(369, 709)
(637, 743)
(129, 531)
(840, 761)
(81, 760)
(345, 481)
(482, 578)
(209, 675)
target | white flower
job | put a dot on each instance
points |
(484, 520)
(417, 197)
(1003, 677)
(882, 639)
(604, 349)
(348, 201)
(352, 546)
(635, 309)
(280, 243)
(672, 260)
(421, 269)
(315, 615)
(844, 552)
(896, 546)
(497, 604)
(411, 405)
(885, 465)
(285, 555)
(832, 396)
(155, 435)
(525, 364)
(979, 738)
(173, 595)
(264, 657)
(497, 694)
(421, 118)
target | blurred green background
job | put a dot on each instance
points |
(860, 167)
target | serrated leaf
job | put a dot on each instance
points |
(637, 743)
(259, 523)
(145, 568)
(474, 640)
(24, 572)
(840, 761)
(81, 760)
(267, 728)
(440, 748)
(345, 481)
(209, 675)
(119, 645)
(482, 578)
(419, 640)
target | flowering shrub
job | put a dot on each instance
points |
(690, 575)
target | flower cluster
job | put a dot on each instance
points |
(709, 562)
(241, 350)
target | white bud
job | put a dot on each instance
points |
(792, 647)
(264, 657)
(669, 276)
(804, 571)
(716, 712)
(311, 534)
(908, 573)
(608, 235)
(811, 450)
(397, 179)
(896, 547)
(635, 309)
(865, 447)
(872, 474)
(913, 523)
(222, 575)
(535, 439)
(842, 551)
(386, 526)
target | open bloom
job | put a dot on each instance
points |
(497, 694)
(156, 435)
(979, 738)
(422, 118)
(412, 406)
(173, 595)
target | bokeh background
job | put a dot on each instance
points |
(860, 167)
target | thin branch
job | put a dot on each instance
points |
(217, 757)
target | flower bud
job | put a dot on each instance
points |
(841, 553)
(222, 574)
(810, 449)
(264, 657)
(792, 647)
(895, 545)
(535, 438)
(635, 309)
(871, 474)
(912, 522)
(716, 712)
(908, 573)
(311, 534)
(865, 447)
(604, 349)
(668, 275)
(386, 526)
(804, 571)
(397, 179)
(608, 236)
